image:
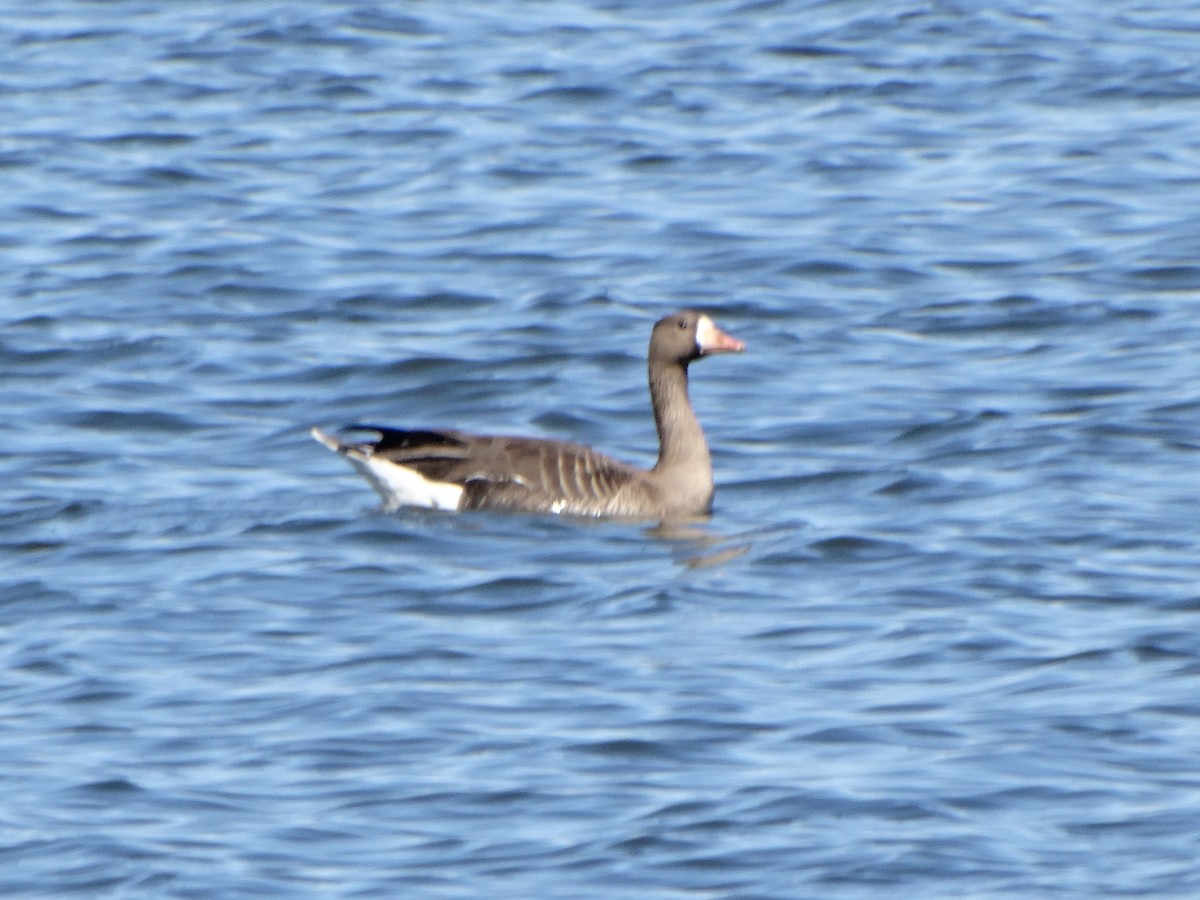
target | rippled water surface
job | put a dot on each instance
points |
(940, 635)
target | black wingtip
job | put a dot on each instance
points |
(402, 439)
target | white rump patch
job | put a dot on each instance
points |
(401, 486)
(398, 485)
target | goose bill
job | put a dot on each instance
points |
(711, 339)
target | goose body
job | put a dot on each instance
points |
(454, 470)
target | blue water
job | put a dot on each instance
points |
(940, 636)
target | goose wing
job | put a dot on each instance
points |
(515, 473)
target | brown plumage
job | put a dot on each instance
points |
(455, 470)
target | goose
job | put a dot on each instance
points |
(453, 470)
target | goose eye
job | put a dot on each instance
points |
(682, 323)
